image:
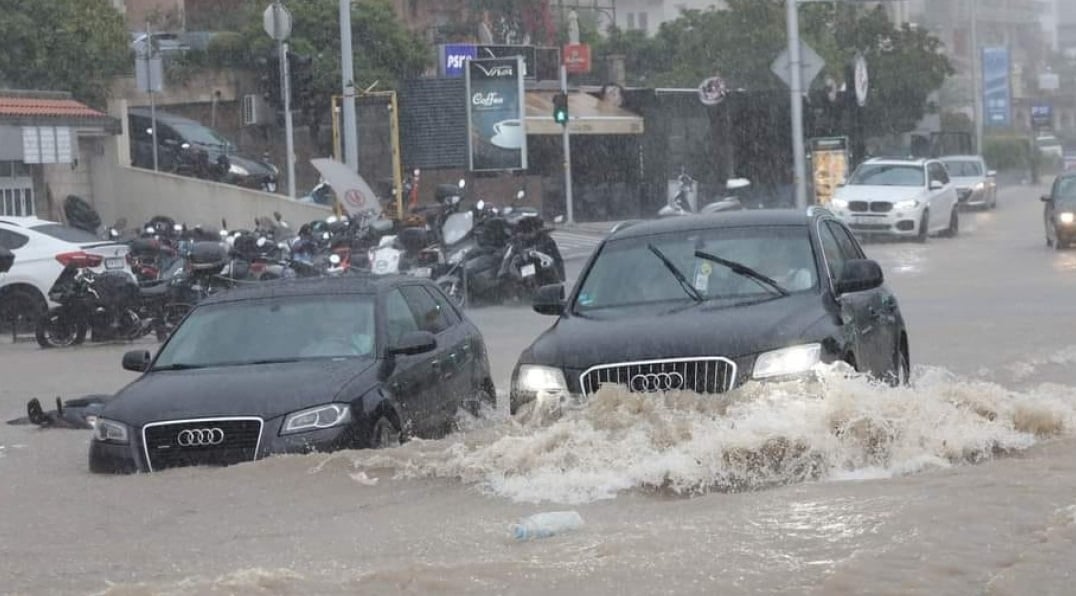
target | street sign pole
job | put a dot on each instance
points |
(799, 163)
(347, 75)
(566, 140)
(285, 91)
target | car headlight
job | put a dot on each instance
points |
(536, 383)
(108, 431)
(787, 361)
(978, 186)
(912, 204)
(1066, 218)
(457, 257)
(839, 203)
(238, 170)
(326, 416)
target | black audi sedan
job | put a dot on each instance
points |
(708, 303)
(293, 367)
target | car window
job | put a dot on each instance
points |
(832, 251)
(849, 248)
(887, 175)
(447, 310)
(937, 172)
(964, 168)
(427, 313)
(1065, 189)
(66, 233)
(399, 320)
(11, 240)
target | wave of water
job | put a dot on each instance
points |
(837, 428)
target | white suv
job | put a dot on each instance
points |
(42, 249)
(899, 197)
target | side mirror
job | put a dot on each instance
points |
(859, 275)
(936, 185)
(521, 195)
(462, 183)
(136, 360)
(1045, 198)
(482, 204)
(415, 342)
(6, 259)
(549, 300)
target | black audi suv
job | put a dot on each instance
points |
(293, 367)
(708, 303)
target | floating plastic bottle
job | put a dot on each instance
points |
(544, 525)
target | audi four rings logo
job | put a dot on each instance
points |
(200, 437)
(657, 381)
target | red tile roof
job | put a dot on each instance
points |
(47, 108)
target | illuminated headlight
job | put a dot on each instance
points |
(457, 257)
(839, 204)
(906, 204)
(539, 383)
(237, 170)
(326, 416)
(108, 431)
(978, 186)
(1066, 218)
(787, 361)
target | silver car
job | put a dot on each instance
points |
(976, 186)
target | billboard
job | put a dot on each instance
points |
(997, 93)
(829, 156)
(453, 58)
(496, 123)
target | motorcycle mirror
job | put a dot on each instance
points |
(558, 219)
(520, 195)
(224, 233)
(462, 183)
(178, 227)
(324, 235)
(185, 146)
(113, 233)
(331, 219)
(481, 205)
(150, 230)
(417, 171)
(262, 242)
(334, 259)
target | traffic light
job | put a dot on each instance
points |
(560, 109)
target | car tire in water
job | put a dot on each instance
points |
(384, 433)
(901, 373)
(954, 225)
(21, 306)
(924, 224)
(54, 330)
(483, 396)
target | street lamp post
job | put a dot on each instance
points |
(795, 67)
(347, 75)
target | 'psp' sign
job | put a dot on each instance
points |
(454, 57)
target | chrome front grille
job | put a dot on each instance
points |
(702, 375)
(201, 442)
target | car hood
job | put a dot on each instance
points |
(256, 390)
(878, 193)
(966, 181)
(629, 335)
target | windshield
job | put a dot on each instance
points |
(627, 272)
(202, 135)
(964, 169)
(1066, 192)
(888, 175)
(273, 330)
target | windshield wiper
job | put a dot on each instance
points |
(745, 271)
(688, 288)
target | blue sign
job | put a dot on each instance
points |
(997, 93)
(454, 57)
(1042, 114)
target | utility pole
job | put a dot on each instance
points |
(566, 140)
(285, 91)
(347, 75)
(799, 161)
(150, 54)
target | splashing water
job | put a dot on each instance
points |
(836, 428)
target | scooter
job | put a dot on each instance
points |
(679, 204)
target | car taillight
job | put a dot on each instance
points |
(79, 259)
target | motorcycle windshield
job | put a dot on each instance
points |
(457, 226)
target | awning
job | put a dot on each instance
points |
(588, 116)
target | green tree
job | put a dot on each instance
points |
(63, 45)
(741, 42)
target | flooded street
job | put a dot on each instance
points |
(964, 483)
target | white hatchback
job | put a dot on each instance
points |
(42, 249)
(899, 197)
